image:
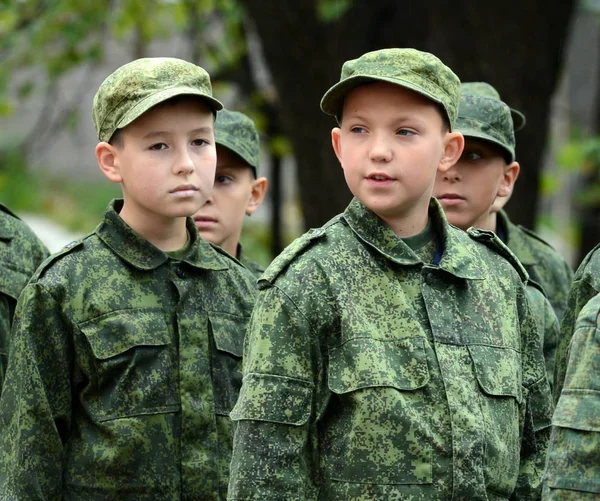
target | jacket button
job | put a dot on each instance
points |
(181, 273)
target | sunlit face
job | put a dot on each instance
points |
(167, 162)
(390, 143)
(221, 218)
(468, 189)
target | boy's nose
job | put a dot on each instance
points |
(184, 164)
(381, 150)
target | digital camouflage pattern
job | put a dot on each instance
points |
(585, 285)
(543, 263)
(369, 375)
(21, 252)
(124, 367)
(237, 132)
(484, 89)
(419, 71)
(573, 469)
(134, 88)
(483, 117)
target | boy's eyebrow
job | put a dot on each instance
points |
(162, 133)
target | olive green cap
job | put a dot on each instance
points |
(486, 90)
(134, 88)
(237, 132)
(412, 69)
(483, 115)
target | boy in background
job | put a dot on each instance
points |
(126, 350)
(237, 192)
(378, 361)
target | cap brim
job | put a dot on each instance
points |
(476, 134)
(332, 101)
(161, 96)
(518, 118)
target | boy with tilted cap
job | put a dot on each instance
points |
(21, 252)
(488, 125)
(237, 191)
(126, 350)
(573, 464)
(484, 175)
(379, 364)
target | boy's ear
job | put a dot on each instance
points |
(511, 173)
(106, 156)
(453, 148)
(258, 189)
(336, 142)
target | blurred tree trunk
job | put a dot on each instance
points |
(517, 48)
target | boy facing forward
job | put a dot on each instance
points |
(126, 348)
(379, 363)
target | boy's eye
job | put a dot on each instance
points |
(199, 142)
(472, 155)
(223, 179)
(357, 130)
(158, 146)
(405, 132)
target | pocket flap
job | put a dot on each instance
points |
(228, 332)
(118, 331)
(366, 363)
(578, 409)
(498, 370)
(276, 399)
(12, 282)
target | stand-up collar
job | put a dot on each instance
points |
(516, 241)
(140, 253)
(458, 255)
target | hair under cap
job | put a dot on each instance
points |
(412, 69)
(237, 132)
(134, 88)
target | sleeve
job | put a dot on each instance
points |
(573, 467)
(581, 293)
(538, 409)
(35, 407)
(274, 451)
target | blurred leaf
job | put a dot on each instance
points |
(331, 10)
(280, 146)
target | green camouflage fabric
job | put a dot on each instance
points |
(484, 89)
(134, 88)
(586, 285)
(573, 468)
(124, 366)
(487, 118)
(547, 323)
(369, 375)
(543, 263)
(21, 252)
(410, 68)
(237, 132)
(256, 269)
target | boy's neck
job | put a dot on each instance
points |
(406, 228)
(168, 234)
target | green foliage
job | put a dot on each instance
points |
(582, 156)
(331, 10)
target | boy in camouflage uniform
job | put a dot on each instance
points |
(21, 252)
(127, 344)
(490, 124)
(379, 365)
(485, 173)
(573, 469)
(237, 191)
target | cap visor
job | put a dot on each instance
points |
(475, 134)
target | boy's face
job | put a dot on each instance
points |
(390, 143)
(166, 162)
(468, 189)
(234, 195)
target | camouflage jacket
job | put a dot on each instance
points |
(21, 252)
(573, 469)
(586, 285)
(124, 367)
(369, 375)
(543, 263)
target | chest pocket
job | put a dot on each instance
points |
(379, 420)
(134, 364)
(227, 342)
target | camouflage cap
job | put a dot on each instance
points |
(482, 115)
(134, 88)
(486, 90)
(418, 71)
(237, 132)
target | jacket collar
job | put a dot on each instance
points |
(516, 240)
(137, 251)
(458, 255)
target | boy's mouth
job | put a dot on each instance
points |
(379, 177)
(450, 198)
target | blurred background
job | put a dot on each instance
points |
(274, 60)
